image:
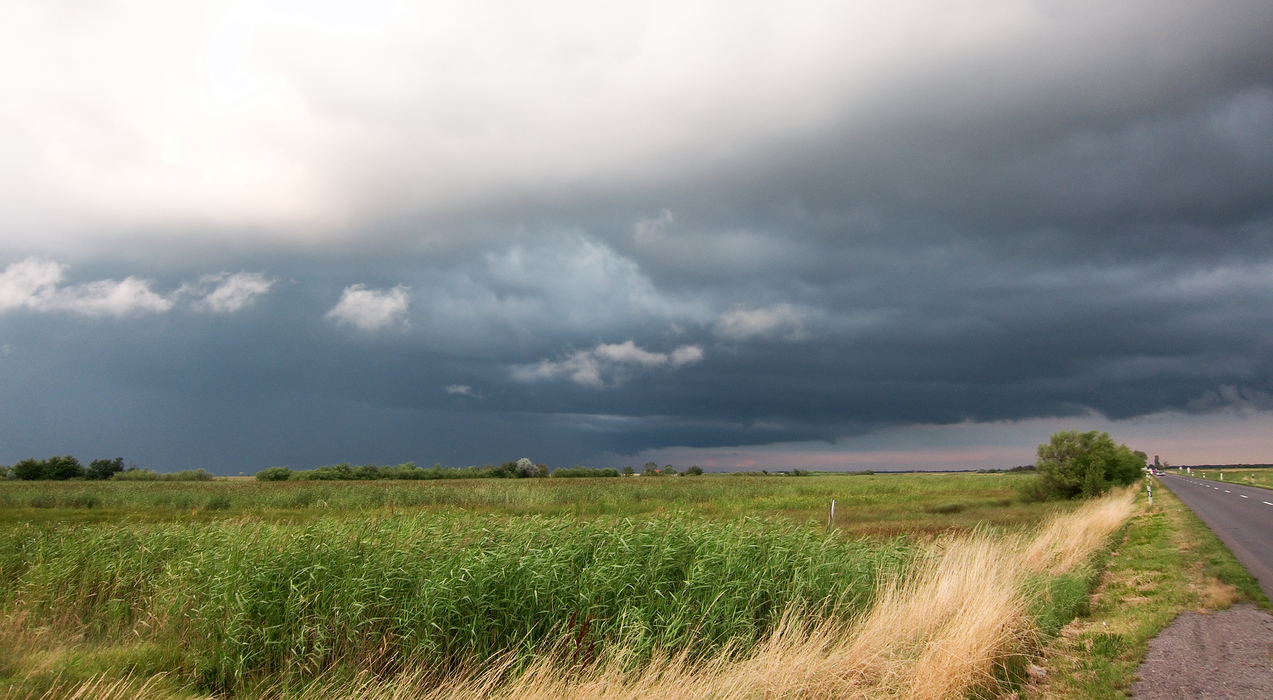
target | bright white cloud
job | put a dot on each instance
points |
(26, 283)
(615, 361)
(460, 389)
(298, 117)
(686, 355)
(780, 320)
(34, 284)
(560, 285)
(229, 293)
(628, 352)
(369, 309)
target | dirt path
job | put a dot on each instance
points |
(1216, 656)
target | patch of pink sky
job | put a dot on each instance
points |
(1222, 437)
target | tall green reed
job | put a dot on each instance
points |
(250, 598)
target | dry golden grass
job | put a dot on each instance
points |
(1217, 595)
(1069, 539)
(102, 687)
(942, 631)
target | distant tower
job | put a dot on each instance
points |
(1157, 464)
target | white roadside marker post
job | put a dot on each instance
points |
(831, 522)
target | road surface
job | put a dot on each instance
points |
(1241, 516)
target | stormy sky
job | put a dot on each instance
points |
(841, 235)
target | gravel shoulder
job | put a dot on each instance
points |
(1169, 571)
(1214, 655)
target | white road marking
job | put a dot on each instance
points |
(1267, 503)
(1244, 496)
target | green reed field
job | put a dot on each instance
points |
(229, 586)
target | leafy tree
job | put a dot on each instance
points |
(4, 471)
(526, 468)
(63, 468)
(29, 469)
(53, 469)
(1074, 464)
(366, 472)
(651, 469)
(102, 469)
(669, 470)
(628, 471)
(274, 474)
(694, 471)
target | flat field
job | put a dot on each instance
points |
(1262, 477)
(478, 588)
(876, 504)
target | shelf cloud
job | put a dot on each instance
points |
(461, 233)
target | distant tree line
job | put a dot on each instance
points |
(151, 475)
(520, 469)
(67, 467)
(653, 469)
(1022, 468)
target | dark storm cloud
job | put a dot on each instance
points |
(1072, 214)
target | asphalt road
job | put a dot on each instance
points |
(1241, 516)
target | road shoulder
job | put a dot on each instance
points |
(1167, 563)
(1216, 655)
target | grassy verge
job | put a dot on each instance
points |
(1166, 563)
(1261, 477)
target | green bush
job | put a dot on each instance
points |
(102, 469)
(1074, 464)
(274, 474)
(51, 469)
